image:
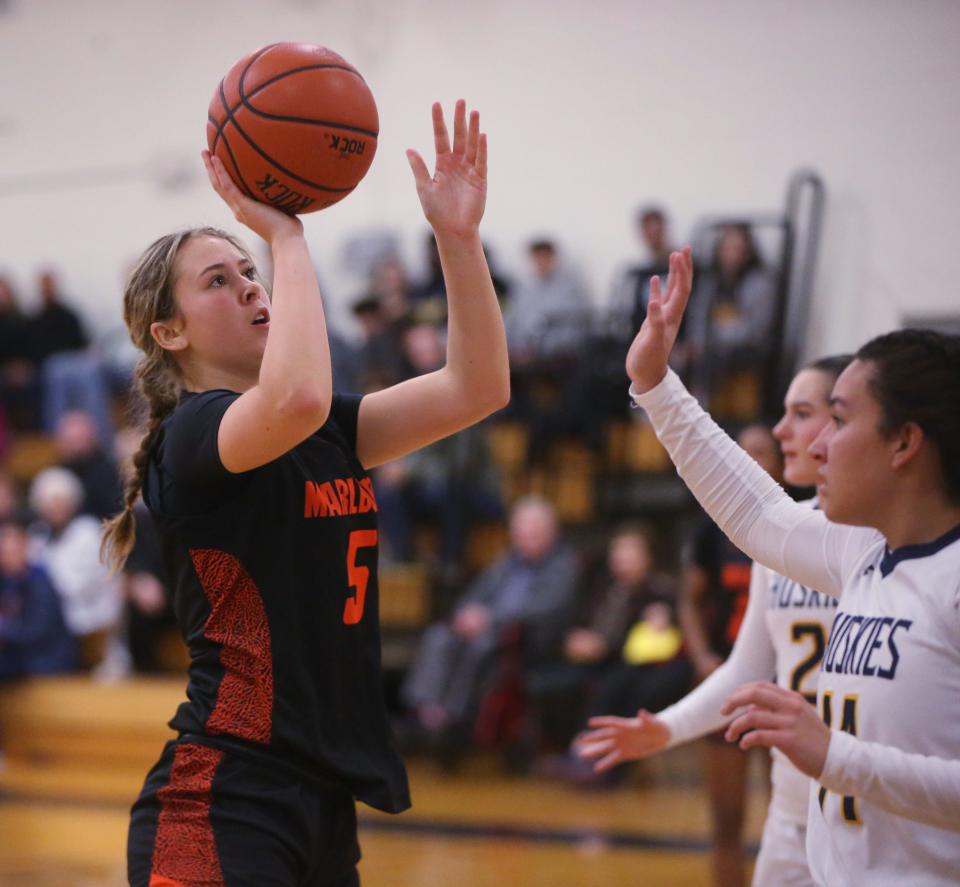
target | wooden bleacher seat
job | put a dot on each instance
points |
(486, 543)
(404, 596)
(644, 453)
(75, 722)
(28, 455)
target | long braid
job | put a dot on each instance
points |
(159, 387)
(149, 298)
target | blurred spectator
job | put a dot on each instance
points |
(632, 293)
(550, 313)
(548, 324)
(731, 318)
(10, 506)
(429, 298)
(623, 651)
(67, 544)
(19, 384)
(72, 377)
(34, 638)
(382, 319)
(717, 576)
(55, 327)
(81, 453)
(391, 288)
(344, 363)
(524, 599)
(451, 483)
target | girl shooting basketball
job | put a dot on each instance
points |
(885, 754)
(256, 472)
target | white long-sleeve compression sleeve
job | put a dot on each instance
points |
(753, 658)
(919, 787)
(753, 510)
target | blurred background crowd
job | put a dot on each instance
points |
(533, 568)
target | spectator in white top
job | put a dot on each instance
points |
(67, 544)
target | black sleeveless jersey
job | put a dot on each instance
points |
(274, 579)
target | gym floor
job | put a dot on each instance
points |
(477, 829)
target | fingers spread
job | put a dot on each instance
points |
(594, 749)
(460, 127)
(608, 721)
(473, 138)
(610, 761)
(655, 292)
(441, 139)
(482, 156)
(420, 172)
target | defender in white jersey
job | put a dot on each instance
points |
(784, 632)
(890, 681)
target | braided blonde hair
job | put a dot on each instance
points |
(148, 299)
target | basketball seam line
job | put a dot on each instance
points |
(220, 127)
(233, 160)
(245, 101)
(230, 118)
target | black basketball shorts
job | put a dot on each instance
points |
(212, 818)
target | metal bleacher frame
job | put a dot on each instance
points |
(798, 229)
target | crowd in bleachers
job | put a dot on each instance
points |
(536, 605)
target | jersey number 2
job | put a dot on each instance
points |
(798, 632)
(357, 575)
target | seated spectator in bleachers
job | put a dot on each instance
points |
(34, 639)
(632, 291)
(731, 318)
(11, 509)
(72, 376)
(391, 288)
(81, 453)
(450, 484)
(379, 357)
(67, 544)
(599, 377)
(623, 651)
(548, 322)
(56, 328)
(524, 599)
(428, 298)
(19, 384)
(550, 313)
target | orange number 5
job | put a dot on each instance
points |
(358, 576)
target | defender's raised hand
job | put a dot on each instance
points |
(453, 198)
(648, 355)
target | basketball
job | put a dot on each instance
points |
(295, 126)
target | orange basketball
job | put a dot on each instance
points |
(295, 125)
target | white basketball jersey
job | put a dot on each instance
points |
(891, 675)
(798, 622)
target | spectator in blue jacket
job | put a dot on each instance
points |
(34, 638)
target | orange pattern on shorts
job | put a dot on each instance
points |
(237, 622)
(184, 850)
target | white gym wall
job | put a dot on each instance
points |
(592, 108)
